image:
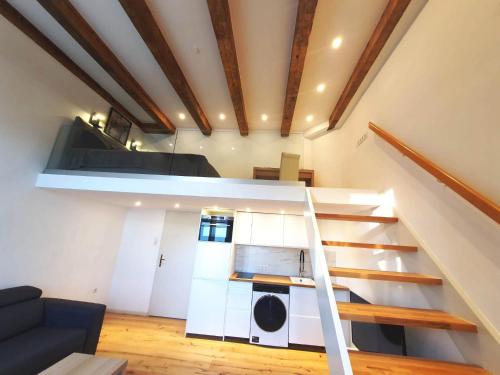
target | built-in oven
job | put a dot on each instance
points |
(216, 228)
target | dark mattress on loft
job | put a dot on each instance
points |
(81, 147)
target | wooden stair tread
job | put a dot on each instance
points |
(363, 245)
(385, 275)
(364, 363)
(403, 316)
(366, 218)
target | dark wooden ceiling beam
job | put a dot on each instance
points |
(19, 21)
(223, 29)
(69, 18)
(391, 16)
(303, 27)
(144, 21)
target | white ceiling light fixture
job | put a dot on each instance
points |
(233, 148)
(138, 204)
(309, 118)
(222, 116)
(337, 42)
(177, 205)
(321, 87)
(182, 116)
(201, 147)
(264, 117)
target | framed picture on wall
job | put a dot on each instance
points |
(117, 126)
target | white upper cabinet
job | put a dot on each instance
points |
(270, 230)
(267, 230)
(242, 230)
(295, 234)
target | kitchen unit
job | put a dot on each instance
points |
(304, 323)
(223, 303)
(212, 267)
(278, 230)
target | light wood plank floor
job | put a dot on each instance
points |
(158, 346)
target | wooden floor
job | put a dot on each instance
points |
(158, 346)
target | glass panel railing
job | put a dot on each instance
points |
(82, 146)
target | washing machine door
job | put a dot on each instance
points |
(269, 313)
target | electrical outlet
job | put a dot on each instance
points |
(362, 139)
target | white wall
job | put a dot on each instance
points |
(64, 245)
(136, 262)
(231, 154)
(439, 93)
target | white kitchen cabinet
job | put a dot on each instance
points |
(305, 323)
(267, 230)
(238, 309)
(242, 230)
(212, 261)
(294, 232)
(207, 304)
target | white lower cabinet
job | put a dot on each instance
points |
(207, 304)
(305, 323)
(238, 309)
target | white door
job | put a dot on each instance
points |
(170, 295)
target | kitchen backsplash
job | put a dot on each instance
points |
(271, 260)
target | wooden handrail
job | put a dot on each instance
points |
(484, 204)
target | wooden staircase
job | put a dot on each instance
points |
(405, 277)
(375, 363)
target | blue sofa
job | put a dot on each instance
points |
(37, 332)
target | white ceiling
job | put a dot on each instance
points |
(263, 32)
(353, 21)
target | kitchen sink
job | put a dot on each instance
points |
(302, 280)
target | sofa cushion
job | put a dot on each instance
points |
(18, 294)
(37, 349)
(20, 317)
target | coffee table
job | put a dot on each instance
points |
(86, 364)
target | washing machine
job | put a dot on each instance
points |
(269, 321)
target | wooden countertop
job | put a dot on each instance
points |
(278, 280)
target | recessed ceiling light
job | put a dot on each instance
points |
(248, 209)
(321, 87)
(282, 212)
(309, 118)
(177, 205)
(201, 147)
(216, 207)
(222, 116)
(232, 148)
(337, 42)
(264, 117)
(138, 204)
(182, 116)
(171, 144)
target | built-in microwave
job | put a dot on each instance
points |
(216, 228)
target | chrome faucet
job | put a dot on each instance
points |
(301, 264)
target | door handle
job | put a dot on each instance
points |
(161, 260)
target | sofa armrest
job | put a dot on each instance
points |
(61, 313)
